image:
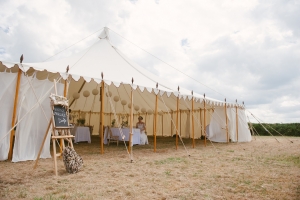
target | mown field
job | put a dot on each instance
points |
(265, 168)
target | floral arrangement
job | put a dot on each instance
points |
(124, 123)
(81, 121)
(113, 122)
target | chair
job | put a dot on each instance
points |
(111, 137)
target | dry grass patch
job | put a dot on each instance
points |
(261, 169)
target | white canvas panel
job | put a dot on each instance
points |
(7, 95)
(244, 132)
(217, 126)
(31, 130)
(231, 113)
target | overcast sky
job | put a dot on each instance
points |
(244, 50)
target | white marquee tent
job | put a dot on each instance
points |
(22, 84)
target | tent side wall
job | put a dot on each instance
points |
(7, 94)
(31, 121)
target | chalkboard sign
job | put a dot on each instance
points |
(60, 116)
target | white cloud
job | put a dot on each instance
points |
(245, 50)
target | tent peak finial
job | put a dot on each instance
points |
(21, 58)
(104, 34)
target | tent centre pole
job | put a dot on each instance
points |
(193, 128)
(12, 133)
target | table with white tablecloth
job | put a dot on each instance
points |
(81, 134)
(125, 131)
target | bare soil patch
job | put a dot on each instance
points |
(262, 169)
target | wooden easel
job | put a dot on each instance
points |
(60, 126)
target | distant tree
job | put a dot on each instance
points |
(291, 129)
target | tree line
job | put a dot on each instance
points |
(277, 129)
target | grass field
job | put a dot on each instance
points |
(265, 168)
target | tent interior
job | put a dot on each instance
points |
(24, 101)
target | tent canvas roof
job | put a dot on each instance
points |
(103, 57)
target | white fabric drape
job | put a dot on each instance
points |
(217, 126)
(231, 123)
(244, 132)
(31, 130)
(7, 95)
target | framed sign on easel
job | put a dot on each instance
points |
(61, 131)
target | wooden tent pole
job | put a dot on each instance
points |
(193, 129)
(162, 123)
(236, 121)
(226, 121)
(201, 122)
(65, 88)
(180, 121)
(131, 121)
(101, 115)
(65, 95)
(155, 119)
(12, 133)
(110, 117)
(204, 123)
(171, 123)
(90, 118)
(177, 119)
